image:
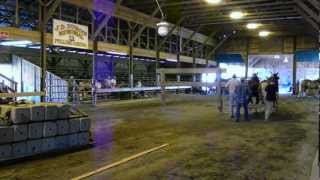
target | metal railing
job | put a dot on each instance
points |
(8, 83)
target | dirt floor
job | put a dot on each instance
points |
(204, 144)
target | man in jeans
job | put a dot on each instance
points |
(242, 98)
(231, 85)
(271, 98)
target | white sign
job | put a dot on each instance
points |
(70, 35)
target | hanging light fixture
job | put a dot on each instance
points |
(163, 26)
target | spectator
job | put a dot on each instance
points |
(231, 86)
(242, 96)
(271, 98)
(254, 87)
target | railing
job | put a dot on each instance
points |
(9, 83)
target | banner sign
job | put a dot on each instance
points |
(70, 35)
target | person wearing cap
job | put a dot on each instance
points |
(231, 86)
(242, 98)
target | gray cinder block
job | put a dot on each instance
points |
(6, 134)
(74, 125)
(49, 129)
(73, 140)
(48, 144)
(34, 146)
(5, 152)
(20, 115)
(51, 112)
(62, 142)
(83, 138)
(35, 130)
(62, 127)
(85, 124)
(37, 113)
(63, 111)
(19, 149)
(20, 132)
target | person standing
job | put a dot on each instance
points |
(271, 98)
(231, 86)
(242, 98)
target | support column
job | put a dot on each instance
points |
(179, 54)
(94, 50)
(17, 20)
(194, 65)
(43, 55)
(247, 58)
(131, 82)
(157, 59)
(294, 67)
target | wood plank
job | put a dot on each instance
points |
(118, 163)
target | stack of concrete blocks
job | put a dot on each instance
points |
(41, 128)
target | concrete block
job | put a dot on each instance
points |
(20, 132)
(19, 149)
(73, 140)
(83, 138)
(63, 111)
(48, 144)
(62, 127)
(35, 130)
(20, 114)
(85, 124)
(6, 134)
(5, 152)
(34, 146)
(49, 129)
(62, 142)
(37, 113)
(51, 112)
(74, 125)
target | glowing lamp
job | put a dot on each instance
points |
(213, 1)
(253, 25)
(236, 15)
(264, 33)
(163, 28)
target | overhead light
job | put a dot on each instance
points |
(16, 43)
(172, 60)
(264, 33)
(214, 1)
(236, 15)
(253, 25)
(163, 28)
(277, 56)
(286, 60)
(117, 53)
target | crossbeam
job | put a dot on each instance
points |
(189, 70)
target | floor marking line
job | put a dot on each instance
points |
(86, 175)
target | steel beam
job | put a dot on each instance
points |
(314, 24)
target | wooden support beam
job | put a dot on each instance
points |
(101, 25)
(190, 37)
(171, 32)
(314, 24)
(144, 26)
(217, 47)
(125, 13)
(309, 11)
(52, 9)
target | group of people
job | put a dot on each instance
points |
(241, 93)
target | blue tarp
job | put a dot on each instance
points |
(307, 56)
(229, 58)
